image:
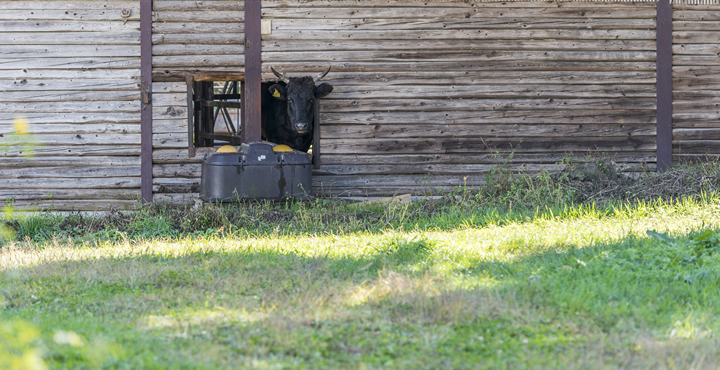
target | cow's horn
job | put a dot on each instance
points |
(320, 76)
(279, 75)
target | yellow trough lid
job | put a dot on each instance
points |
(227, 149)
(282, 148)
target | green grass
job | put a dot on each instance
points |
(581, 269)
(325, 285)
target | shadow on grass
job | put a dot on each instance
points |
(407, 297)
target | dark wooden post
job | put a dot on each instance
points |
(146, 179)
(190, 115)
(664, 84)
(253, 71)
(316, 135)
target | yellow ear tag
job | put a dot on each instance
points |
(276, 93)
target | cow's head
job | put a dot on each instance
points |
(300, 93)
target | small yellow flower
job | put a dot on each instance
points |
(21, 125)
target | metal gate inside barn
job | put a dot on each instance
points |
(428, 94)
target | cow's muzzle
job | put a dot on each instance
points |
(301, 127)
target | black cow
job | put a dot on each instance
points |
(287, 109)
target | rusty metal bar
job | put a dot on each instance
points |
(664, 85)
(253, 71)
(146, 101)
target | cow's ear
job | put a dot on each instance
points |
(323, 90)
(277, 91)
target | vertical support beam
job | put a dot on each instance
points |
(207, 122)
(197, 112)
(242, 109)
(146, 101)
(253, 71)
(190, 115)
(664, 84)
(316, 135)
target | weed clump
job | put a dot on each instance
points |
(603, 184)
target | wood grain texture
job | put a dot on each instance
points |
(202, 35)
(480, 158)
(285, 45)
(436, 88)
(696, 81)
(61, 205)
(480, 131)
(71, 68)
(65, 194)
(452, 4)
(487, 10)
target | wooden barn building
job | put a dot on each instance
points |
(427, 92)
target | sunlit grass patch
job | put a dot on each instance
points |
(578, 286)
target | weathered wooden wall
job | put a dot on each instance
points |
(187, 36)
(71, 68)
(696, 81)
(198, 35)
(427, 91)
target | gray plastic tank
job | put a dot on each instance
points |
(256, 172)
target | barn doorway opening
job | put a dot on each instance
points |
(217, 113)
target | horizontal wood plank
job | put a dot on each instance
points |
(482, 34)
(73, 38)
(61, 205)
(466, 131)
(474, 78)
(179, 156)
(431, 66)
(72, 183)
(479, 91)
(455, 13)
(290, 45)
(212, 16)
(615, 5)
(19, 64)
(185, 170)
(180, 5)
(64, 161)
(456, 117)
(496, 158)
(71, 150)
(69, 194)
(70, 172)
(486, 144)
(430, 23)
(75, 129)
(428, 105)
(69, 26)
(71, 15)
(127, 106)
(58, 86)
(683, 134)
(70, 118)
